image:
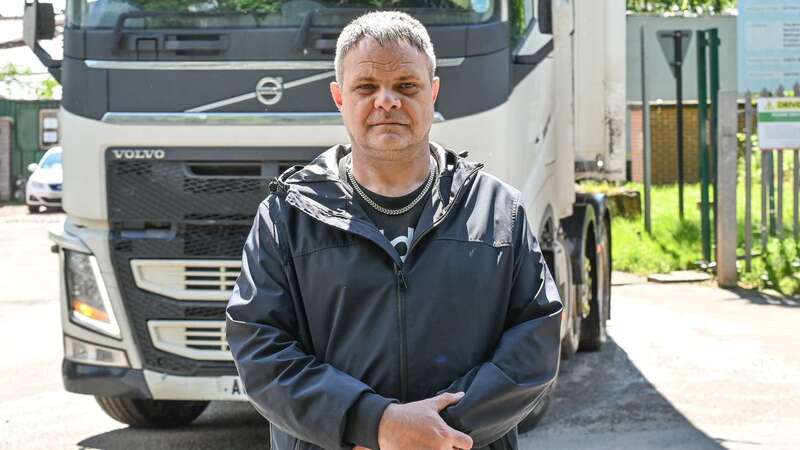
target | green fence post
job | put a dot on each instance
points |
(702, 113)
(713, 57)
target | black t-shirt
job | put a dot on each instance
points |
(398, 229)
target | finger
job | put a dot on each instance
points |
(460, 440)
(446, 399)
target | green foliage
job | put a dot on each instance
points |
(516, 17)
(781, 266)
(676, 6)
(14, 78)
(46, 90)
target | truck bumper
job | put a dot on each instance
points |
(104, 381)
(137, 383)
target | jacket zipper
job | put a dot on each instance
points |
(402, 285)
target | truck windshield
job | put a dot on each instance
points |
(264, 13)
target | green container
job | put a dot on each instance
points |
(25, 143)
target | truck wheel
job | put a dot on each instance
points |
(536, 415)
(572, 340)
(145, 413)
(593, 332)
(33, 209)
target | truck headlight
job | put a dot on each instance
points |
(87, 297)
(37, 185)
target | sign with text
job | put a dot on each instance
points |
(779, 122)
(768, 36)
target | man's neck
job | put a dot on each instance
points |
(392, 178)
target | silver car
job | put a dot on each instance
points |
(44, 185)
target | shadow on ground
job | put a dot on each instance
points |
(763, 298)
(228, 425)
(603, 401)
(599, 395)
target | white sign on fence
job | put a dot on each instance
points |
(779, 122)
(768, 44)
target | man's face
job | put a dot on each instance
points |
(386, 98)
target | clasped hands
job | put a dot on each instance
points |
(418, 426)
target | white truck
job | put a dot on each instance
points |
(177, 113)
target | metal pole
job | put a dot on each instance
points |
(764, 190)
(771, 190)
(647, 150)
(795, 203)
(779, 222)
(677, 38)
(702, 144)
(727, 236)
(713, 56)
(764, 224)
(796, 183)
(748, 181)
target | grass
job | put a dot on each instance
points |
(676, 244)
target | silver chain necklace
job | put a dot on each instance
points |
(387, 211)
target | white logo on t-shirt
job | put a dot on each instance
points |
(404, 240)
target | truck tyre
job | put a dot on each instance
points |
(33, 209)
(536, 415)
(146, 413)
(571, 341)
(593, 332)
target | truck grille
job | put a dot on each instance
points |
(199, 339)
(200, 186)
(191, 279)
(178, 226)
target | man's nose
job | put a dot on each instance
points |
(387, 100)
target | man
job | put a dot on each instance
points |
(392, 295)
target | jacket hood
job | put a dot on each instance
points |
(319, 187)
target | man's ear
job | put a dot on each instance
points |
(336, 94)
(435, 88)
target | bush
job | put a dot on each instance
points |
(781, 266)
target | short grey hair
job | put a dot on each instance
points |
(386, 27)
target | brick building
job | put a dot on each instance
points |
(663, 137)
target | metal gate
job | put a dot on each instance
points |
(26, 141)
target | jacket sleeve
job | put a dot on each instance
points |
(502, 391)
(309, 399)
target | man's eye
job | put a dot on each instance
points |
(407, 86)
(365, 87)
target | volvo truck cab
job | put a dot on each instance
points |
(176, 114)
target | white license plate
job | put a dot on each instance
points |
(230, 388)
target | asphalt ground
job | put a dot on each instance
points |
(685, 367)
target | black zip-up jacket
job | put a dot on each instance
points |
(328, 326)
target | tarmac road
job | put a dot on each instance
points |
(686, 367)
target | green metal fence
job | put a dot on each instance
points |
(26, 146)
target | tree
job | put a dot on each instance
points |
(693, 6)
(19, 80)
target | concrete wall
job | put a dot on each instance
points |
(6, 142)
(660, 82)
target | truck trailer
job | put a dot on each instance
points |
(176, 114)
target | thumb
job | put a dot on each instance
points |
(446, 399)
(461, 440)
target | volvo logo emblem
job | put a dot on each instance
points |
(139, 153)
(269, 90)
